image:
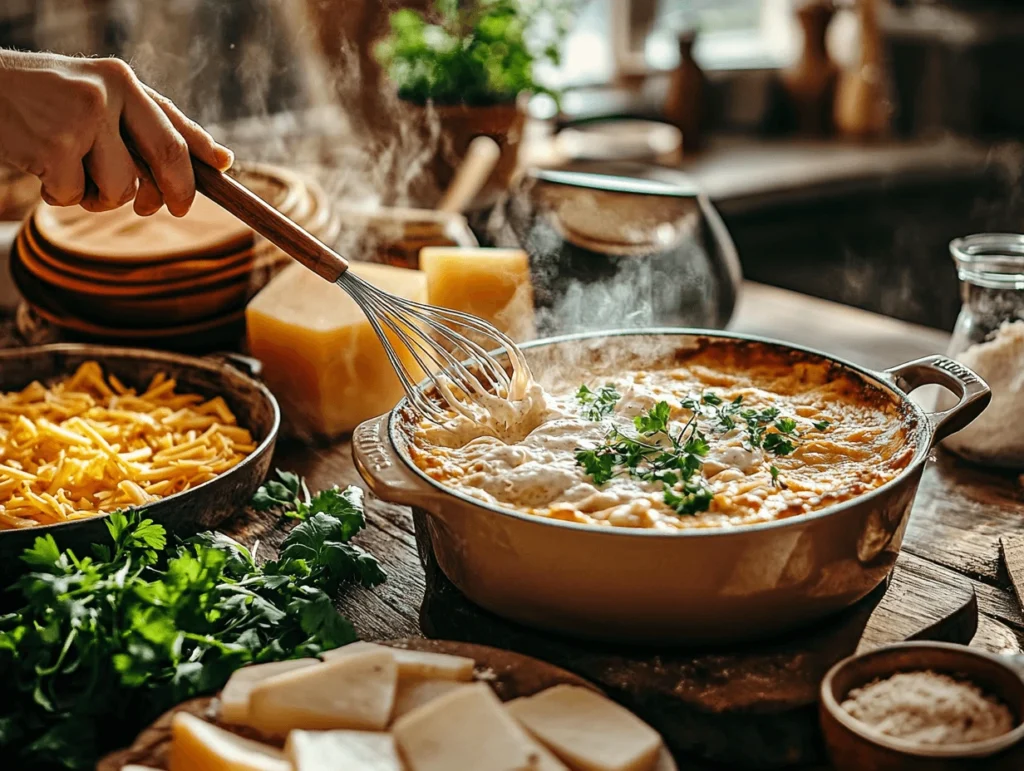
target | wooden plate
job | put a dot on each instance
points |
(132, 274)
(121, 236)
(514, 675)
(127, 310)
(114, 287)
(201, 334)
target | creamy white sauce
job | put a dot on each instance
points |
(522, 453)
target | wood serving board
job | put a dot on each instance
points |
(511, 675)
(750, 707)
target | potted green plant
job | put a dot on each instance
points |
(471, 64)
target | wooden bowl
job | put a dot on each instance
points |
(514, 675)
(853, 746)
(203, 507)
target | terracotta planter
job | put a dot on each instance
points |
(456, 126)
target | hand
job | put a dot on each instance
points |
(97, 136)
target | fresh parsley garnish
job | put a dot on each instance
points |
(676, 464)
(693, 498)
(655, 420)
(99, 645)
(822, 425)
(596, 406)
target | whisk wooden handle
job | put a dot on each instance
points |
(268, 222)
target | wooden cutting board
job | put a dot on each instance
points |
(511, 675)
(749, 707)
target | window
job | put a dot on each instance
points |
(635, 36)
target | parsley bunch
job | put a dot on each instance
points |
(102, 644)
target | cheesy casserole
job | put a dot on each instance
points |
(723, 435)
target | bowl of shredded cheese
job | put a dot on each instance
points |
(87, 430)
(924, 706)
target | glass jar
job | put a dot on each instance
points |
(989, 338)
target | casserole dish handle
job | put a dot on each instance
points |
(972, 392)
(385, 473)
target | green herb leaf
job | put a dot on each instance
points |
(693, 498)
(778, 444)
(655, 420)
(99, 646)
(597, 406)
(598, 465)
(821, 425)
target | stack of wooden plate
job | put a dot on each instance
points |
(176, 283)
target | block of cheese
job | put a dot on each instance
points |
(414, 664)
(334, 750)
(588, 731)
(200, 746)
(234, 699)
(465, 730)
(413, 694)
(321, 358)
(353, 692)
(493, 284)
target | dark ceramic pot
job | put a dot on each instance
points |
(609, 251)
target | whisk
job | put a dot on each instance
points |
(453, 348)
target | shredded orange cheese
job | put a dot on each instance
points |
(89, 445)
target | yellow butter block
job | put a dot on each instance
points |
(467, 730)
(342, 751)
(493, 284)
(200, 746)
(234, 699)
(420, 665)
(321, 358)
(588, 731)
(355, 692)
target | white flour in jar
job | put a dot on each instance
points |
(997, 436)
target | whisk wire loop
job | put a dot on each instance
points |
(450, 347)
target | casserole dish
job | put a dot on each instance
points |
(651, 586)
(202, 507)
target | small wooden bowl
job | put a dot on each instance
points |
(853, 746)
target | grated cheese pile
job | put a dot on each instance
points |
(89, 445)
(929, 708)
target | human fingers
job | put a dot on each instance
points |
(148, 200)
(112, 171)
(200, 143)
(63, 181)
(162, 148)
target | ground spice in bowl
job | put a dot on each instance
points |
(929, 708)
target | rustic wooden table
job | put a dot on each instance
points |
(958, 518)
(952, 545)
